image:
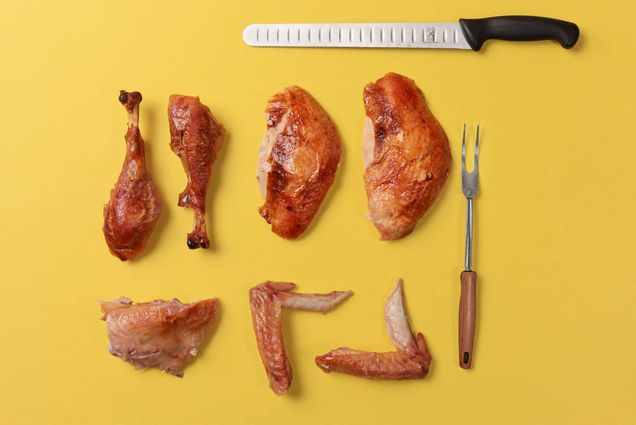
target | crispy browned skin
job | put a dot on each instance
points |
(407, 159)
(267, 321)
(160, 334)
(267, 301)
(394, 365)
(298, 161)
(410, 361)
(134, 206)
(196, 137)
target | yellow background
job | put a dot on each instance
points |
(554, 238)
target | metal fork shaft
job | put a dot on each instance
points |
(468, 257)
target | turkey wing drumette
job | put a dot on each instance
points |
(410, 361)
(134, 206)
(196, 137)
(267, 301)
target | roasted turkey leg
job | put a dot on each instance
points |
(134, 206)
(196, 138)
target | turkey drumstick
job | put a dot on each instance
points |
(196, 138)
(134, 206)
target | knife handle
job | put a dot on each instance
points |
(519, 28)
(467, 313)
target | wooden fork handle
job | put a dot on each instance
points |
(467, 313)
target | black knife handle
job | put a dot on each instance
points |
(518, 28)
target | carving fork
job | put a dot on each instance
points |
(468, 278)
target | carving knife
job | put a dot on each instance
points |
(465, 34)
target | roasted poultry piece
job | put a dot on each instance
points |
(267, 301)
(410, 361)
(134, 206)
(160, 334)
(196, 138)
(406, 155)
(297, 161)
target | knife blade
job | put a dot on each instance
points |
(466, 34)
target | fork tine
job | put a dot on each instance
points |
(464, 149)
(476, 165)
